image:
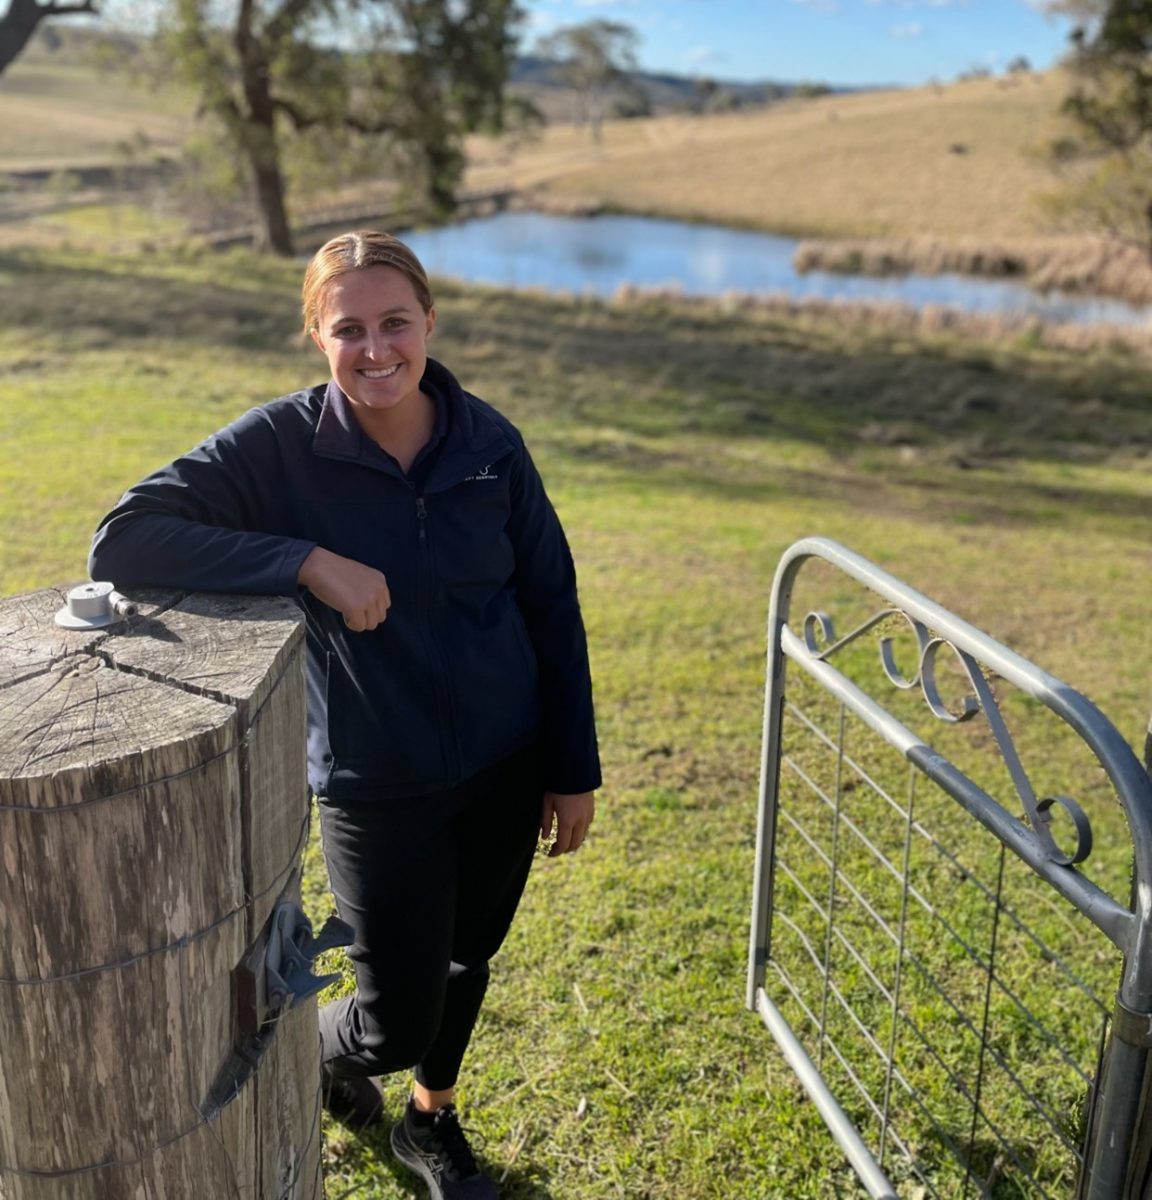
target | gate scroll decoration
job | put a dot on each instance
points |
(1111, 1167)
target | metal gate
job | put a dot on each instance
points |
(927, 947)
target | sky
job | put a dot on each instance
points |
(854, 43)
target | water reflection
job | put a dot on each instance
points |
(598, 254)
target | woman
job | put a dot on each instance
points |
(449, 703)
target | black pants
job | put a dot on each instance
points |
(430, 886)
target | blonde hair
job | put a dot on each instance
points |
(356, 252)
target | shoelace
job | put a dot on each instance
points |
(451, 1146)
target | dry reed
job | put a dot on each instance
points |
(894, 318)
(1070, 264)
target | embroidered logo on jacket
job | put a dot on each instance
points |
(483, 473)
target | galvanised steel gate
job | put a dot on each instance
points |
(927, 947)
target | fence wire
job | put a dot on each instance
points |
(945, 986)
(895, 998)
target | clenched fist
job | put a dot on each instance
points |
(359, 593)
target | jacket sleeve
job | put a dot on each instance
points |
(546, 593)
(215, 520)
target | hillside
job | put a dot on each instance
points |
(539, 81)
(73, 101)
(57, 113)
(954, 161)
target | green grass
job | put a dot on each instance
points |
(113, 221)
(686, 447)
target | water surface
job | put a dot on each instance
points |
(597, 255)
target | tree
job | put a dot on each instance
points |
(426, 73)
(448, 82)
(24, 17)
(1110, 108)
(704, 93)
(592, 58)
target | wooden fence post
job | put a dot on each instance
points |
(153, 811)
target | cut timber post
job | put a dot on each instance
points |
(153, 811)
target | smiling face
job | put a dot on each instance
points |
(373, 331)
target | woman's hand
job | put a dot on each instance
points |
(359, 593)
(573, 814)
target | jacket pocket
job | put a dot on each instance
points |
(382, 721)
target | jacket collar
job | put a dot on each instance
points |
(473, 438)
(338, 433)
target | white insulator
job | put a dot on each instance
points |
(93, 606)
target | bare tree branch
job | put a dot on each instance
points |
(299, 118)
(20, 22)
(302, 120)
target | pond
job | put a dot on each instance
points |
(599, 254)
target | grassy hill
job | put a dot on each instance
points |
(953, 161)
(60, 114)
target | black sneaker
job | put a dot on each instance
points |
(442, 1157)
(355, 1102)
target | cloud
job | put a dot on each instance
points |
(703, 54)
(538, 23)
(913, 29)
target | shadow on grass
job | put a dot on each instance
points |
(359, 1163)
(129, 301)
(379, 1168)
(651, 370)
(941, 493)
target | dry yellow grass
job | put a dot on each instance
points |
(950, 162)
(876, 164)
(1068, 264)
(57, 116)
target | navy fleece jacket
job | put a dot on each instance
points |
(483, 650)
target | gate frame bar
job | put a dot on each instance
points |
(1117, 1110)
